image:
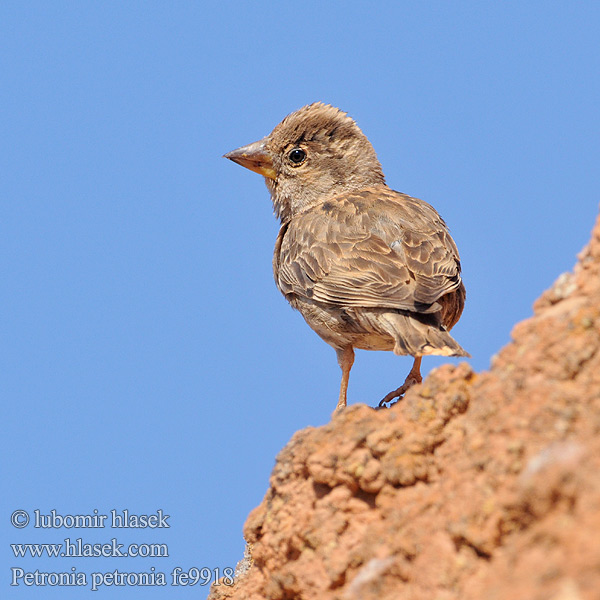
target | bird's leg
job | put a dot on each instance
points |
(345, 360)
(413, 377)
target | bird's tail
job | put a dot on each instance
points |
(420, 335)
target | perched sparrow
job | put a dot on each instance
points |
(366, 266)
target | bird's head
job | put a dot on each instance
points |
(315, 153)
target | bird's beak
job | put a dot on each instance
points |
(254, 157)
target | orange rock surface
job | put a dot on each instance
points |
(476, 485)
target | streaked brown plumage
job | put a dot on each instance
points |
(366, 266)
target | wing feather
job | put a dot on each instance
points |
(376, 248)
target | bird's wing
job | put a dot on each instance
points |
(375, 248)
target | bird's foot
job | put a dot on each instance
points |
(399, 393)
(340, 407)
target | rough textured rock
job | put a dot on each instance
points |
(474, 486)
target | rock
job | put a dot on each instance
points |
(474, 486)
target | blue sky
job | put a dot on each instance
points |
(148, 361)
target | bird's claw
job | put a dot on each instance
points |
(399, 393)
(389, 397)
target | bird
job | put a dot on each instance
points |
(366, 266)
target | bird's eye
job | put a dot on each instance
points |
(297, 156)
